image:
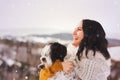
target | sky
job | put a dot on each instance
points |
(24, 17)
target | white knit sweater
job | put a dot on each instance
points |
(91, 68)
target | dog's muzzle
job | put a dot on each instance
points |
(43, 61)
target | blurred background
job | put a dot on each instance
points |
(26, 26)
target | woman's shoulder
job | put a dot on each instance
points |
(90, 55)
(99, 55)
(99, 58)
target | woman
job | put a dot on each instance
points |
(93, 59)
(72, 48)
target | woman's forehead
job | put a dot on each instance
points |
(79, 25)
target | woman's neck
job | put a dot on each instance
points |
(74, 43)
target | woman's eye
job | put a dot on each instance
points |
(79, 29)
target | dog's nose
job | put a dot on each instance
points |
(44, 59)
(41, 66)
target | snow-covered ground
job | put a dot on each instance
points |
(45, 40)
(34, 39)
(115, 52)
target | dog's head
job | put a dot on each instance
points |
(51, 53)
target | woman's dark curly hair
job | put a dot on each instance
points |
(94, 38)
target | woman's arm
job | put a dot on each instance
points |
(67, 66)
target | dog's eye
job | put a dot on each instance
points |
(44, 59)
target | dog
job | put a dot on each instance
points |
(51, 57)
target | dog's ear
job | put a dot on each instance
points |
(58, 51)
(63, 53)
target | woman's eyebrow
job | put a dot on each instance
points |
(79, 27)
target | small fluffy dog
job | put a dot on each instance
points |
(51, 57)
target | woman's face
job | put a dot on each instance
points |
(78, 33)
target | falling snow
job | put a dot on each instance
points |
(26, 77)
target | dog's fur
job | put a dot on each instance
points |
(51, 53)
(51, 57)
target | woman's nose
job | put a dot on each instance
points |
(74, 32)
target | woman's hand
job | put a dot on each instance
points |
(67, 66)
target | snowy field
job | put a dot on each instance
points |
(115, 53)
